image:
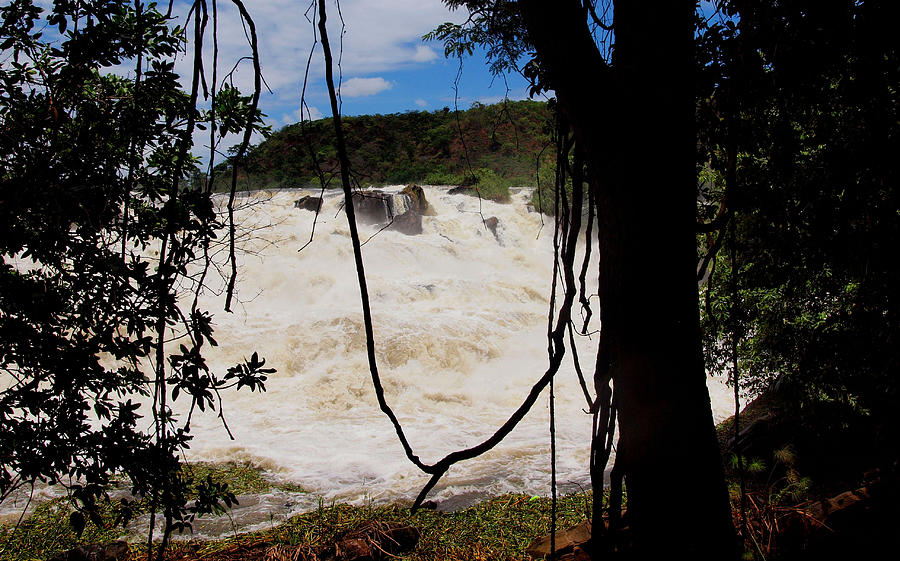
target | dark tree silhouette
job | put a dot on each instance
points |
(633, 122)
(101, 231)
(626, 128)
(799, 131)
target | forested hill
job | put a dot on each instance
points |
(501, 141)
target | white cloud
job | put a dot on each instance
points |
(380, 37)
(421, 102)
(310, 113)
(491, 99)
(358, 87)
(424, 54)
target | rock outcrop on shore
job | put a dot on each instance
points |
(115, 551)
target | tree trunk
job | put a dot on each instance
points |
(667, 440)
(635, 123)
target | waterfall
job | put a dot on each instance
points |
(460, 331)
(460, 320)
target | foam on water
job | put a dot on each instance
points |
(460, 323)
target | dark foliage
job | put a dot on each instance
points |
(418, 146)
(801, 129)
(624, 149)
(100, 236)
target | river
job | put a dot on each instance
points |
(460, 319)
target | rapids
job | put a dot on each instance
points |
(460, 322)
(460, 318)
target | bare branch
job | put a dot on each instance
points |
(592, 10)
(245, 141)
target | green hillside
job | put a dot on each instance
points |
(498, 144)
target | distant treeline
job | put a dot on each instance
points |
(497, 144)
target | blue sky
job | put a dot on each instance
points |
(386, 67)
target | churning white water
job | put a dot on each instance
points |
(460, 319)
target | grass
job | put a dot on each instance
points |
(48, 531)
(486, 184)
(492, 192)
(499, 529)
(242, 478)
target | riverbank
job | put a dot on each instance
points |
(786, 520)
(802, 502)
(499, 529)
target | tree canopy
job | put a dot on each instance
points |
(799, 133)
(105, 251)
(795, 112)
(769, 129)
(437, 148)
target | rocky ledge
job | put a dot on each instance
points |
(401, 211)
